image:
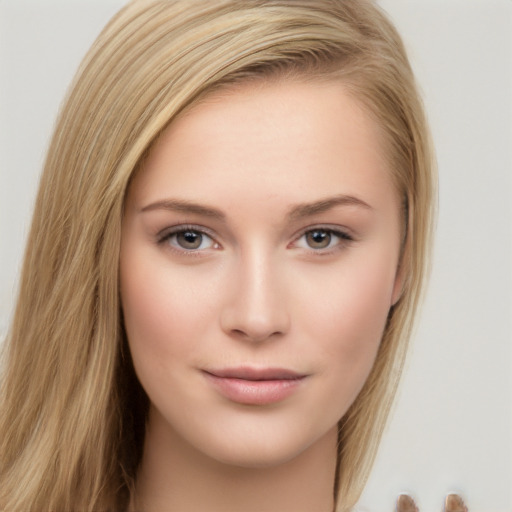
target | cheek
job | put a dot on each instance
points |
(164, 322)
(148, 312)
(162, 315)
(349, 316)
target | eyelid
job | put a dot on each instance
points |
(163, 235)
(178, 228)
(344, 234)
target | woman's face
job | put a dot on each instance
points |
(258, 264)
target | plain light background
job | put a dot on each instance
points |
(451, 428)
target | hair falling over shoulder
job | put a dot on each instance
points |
(72, 412)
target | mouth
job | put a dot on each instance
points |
(255, 386)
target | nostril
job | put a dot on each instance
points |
(256, 335)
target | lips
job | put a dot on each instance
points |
(255, 386)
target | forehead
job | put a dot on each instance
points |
(298, 137)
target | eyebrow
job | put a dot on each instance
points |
(177, 205)
(297, 212)
(309, 209)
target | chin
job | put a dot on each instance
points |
(259, 451)
(255, 457)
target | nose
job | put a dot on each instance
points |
(256, 309)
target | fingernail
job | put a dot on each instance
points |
(406, 504)
(454, 503)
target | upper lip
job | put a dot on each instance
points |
(250, 373)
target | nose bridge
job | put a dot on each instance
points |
(257, 309)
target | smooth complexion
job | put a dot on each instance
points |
(259, 260)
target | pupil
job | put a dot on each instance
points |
(189, 239)
(319, 239)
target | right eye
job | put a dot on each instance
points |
(188, 240)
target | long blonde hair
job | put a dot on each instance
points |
(71, 410)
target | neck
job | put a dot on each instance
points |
(174, 476)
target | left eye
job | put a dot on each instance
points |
(321, 238)
(190, 240)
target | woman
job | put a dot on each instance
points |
(227, 253)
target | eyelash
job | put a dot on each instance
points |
(166, 236)
(343, 237)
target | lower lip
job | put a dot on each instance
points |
(254, 392)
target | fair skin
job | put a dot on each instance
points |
(259, 259)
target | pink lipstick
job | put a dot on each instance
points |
(252, 386)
